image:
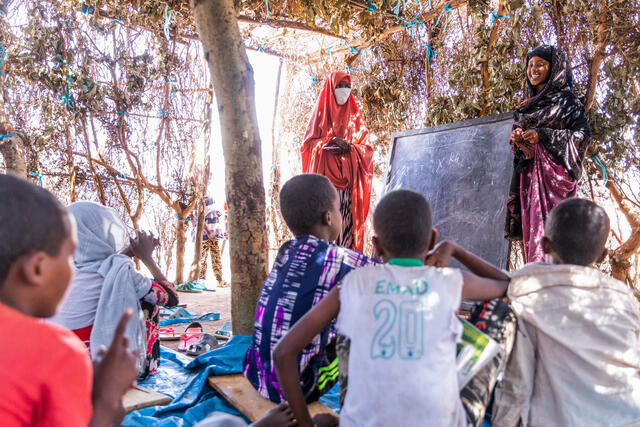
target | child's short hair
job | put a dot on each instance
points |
(304, 199)
(578, 230)
(402, 223)
(31, 219)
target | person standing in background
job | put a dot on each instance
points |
(212, 233)
(336, 145)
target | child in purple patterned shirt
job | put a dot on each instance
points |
(304, 271)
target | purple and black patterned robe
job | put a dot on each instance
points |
(551, 176)
(303, 273)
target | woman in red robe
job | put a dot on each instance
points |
(336, 145)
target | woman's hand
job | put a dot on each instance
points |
(143, 245)
(531, 136)
(516, 136)
(341, 143)
(528, 144)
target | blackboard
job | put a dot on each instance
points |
(464, 171)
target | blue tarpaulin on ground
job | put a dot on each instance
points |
(186, 381)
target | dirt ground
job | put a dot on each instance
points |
(202, 303)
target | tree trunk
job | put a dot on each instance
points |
(274, 190)
(194, 273)
(233, 82)
(621, 256)
(181, 239)
(12, 150)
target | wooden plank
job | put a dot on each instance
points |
(238, 391)
(139, 397)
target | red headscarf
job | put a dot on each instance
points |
(352, 170)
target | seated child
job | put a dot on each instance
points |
(304, 271)
(576, 359)
(106, 283)
(401, 320)
(46, 375)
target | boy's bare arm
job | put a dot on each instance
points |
(440, 255)
(477, 288)
(285, 354)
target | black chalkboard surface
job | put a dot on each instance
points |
(464, 171)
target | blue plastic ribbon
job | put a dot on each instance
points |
(163, 113)
(66, 97)
(314, 79)
(120, 112)
(86, 9)
(349, 69)
(168, 15)
(595, 159)
(597, 5)
(260, 48)
(411, 25)
(2, 55)
(396, 10)
(36, 175)
(118, 174)
(86, 83)
(330, 54)
(372, 7)
(495, 16)
(68, 68)
(431, 52)
(352, 49)
(446, 11)
(267, 3)
(7, 135)
(119, 20)
(182, 219)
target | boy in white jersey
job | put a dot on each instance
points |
(401, 320)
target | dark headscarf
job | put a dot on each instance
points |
(555, 113)
(560, 77)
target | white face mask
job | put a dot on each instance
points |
(342, 95)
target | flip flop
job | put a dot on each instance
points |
(191, 336)
(188, 287)
(181, 313)
(205, 344)
(224, 333)
(168, 334)
(198, 284)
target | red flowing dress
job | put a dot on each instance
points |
(350, 172)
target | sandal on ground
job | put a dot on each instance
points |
(224, 333)
(181, 313)
(188, 287)
(204, 345)
(191, 336)
(168, 334)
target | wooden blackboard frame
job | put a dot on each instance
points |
(437, 129)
